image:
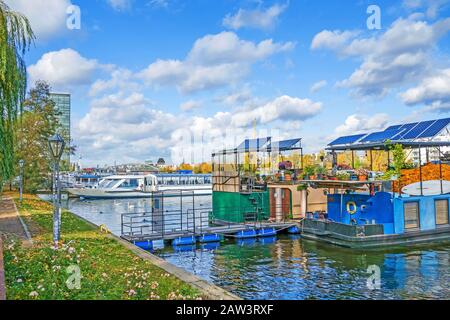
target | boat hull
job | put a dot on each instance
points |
(321, 232)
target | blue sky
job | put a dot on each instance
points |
(174, 78)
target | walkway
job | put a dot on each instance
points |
(11, 225)
(10, 222)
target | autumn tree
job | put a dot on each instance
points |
(39, 121)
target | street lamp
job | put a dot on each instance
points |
(21, 163)
(56, 145)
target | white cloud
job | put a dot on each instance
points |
(396, 57)
(226, 47)
(120, 5)
(190, 105)
(47, 17)
(258, 18)
(282, 108)
(214, 61)
(120, 79)
(63, 68)
(159, 3)
(318, 85)
(357, 123)
(123, 127)
(431, 7)
(332, 40)
(433, 91)
(241, 96)
(128, 128)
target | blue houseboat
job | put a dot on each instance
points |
(368, 214)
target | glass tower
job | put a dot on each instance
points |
(62, 102)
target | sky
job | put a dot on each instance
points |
(180, 79)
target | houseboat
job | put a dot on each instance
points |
(356, 212)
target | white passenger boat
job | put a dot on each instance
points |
(140, 186)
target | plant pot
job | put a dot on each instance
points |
(362, 178)
(287, 177)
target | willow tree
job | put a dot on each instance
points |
(16, 36)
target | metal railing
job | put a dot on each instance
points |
(159, 224)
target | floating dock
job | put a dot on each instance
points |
(232, 231)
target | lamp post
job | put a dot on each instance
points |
(21, 163)
(56, 145)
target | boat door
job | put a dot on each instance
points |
(150, 184)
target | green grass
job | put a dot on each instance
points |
(108, 269)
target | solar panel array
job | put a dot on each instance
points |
(383, 135)
(408, 131)
(347, 139)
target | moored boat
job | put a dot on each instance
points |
(142, 186)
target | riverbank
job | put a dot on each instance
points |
(107, 268)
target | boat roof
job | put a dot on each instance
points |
(88, 176)
(119, 177)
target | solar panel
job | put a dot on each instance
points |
(253, 144)
(418, 130)
(287, 144)
(382, 135)
(347, 139)
(408, 131)
(408, 127)
(393, 127)
(435, 128)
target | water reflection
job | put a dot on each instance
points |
(289, 267)
(108, 212)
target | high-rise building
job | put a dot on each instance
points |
(62, 102)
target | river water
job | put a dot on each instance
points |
(288, 267)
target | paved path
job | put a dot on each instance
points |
(10, 224)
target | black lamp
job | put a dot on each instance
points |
(56, 145)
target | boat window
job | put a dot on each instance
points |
(441, 208)
(129, 184)
(107, 183)
(411, 215)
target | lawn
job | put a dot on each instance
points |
(107, 270)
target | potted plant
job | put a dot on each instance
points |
(288, 175)
(343, 176)
(302, 187)
(362, 174)
(320, 172)
(308, 172)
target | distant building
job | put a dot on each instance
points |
(161, 162)
(62, 102)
